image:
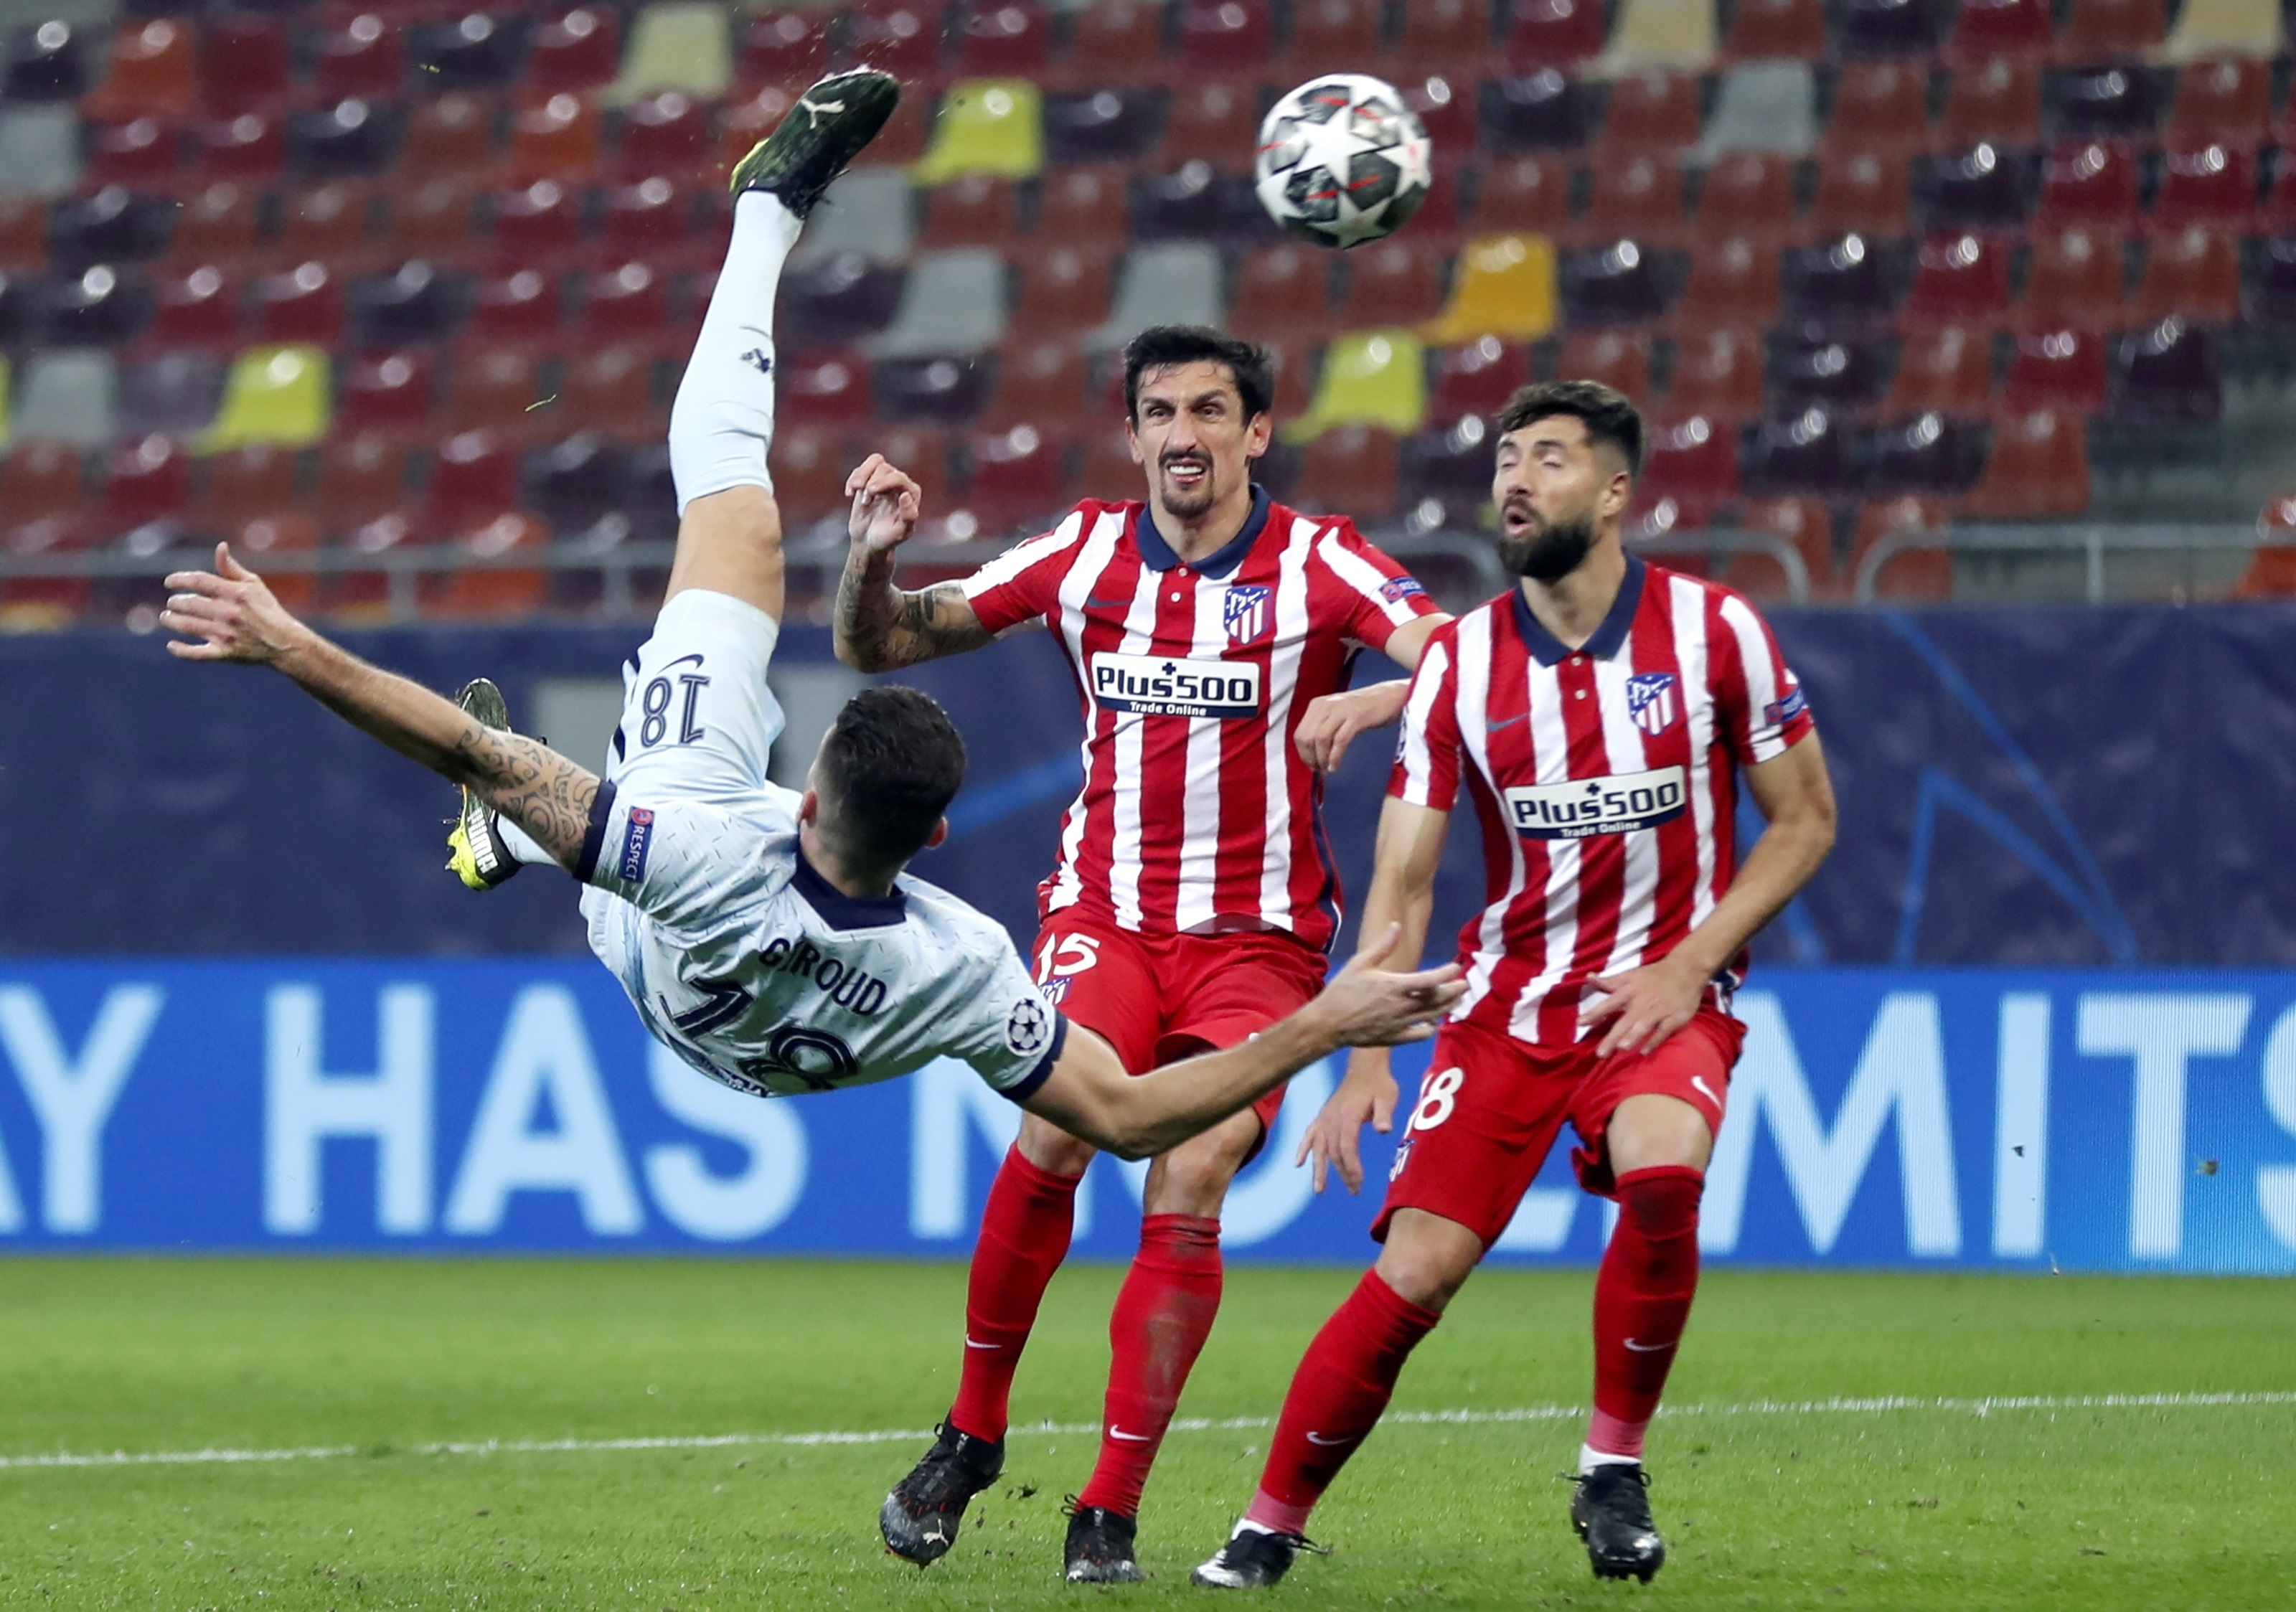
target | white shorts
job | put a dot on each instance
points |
(697, 719)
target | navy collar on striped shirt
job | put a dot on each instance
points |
(1608, 639)
(1157, 554)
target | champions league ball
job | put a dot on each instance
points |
(1343, 160)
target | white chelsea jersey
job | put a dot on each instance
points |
(737, 953)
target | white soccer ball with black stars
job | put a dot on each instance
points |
(1343, 160)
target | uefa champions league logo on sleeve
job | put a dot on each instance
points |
(1028, 1026)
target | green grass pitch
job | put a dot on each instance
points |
(2184, 1505)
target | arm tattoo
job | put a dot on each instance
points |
(881, 628)
(529, 783)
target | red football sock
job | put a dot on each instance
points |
(1641, 1301)
(1024, 1236)
(1342, 1385)
(1162, 1316)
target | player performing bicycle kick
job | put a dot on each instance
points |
(770, 938)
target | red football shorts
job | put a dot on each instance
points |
(1159, 998)
(1492, 1106)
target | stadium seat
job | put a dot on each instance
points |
(266, 538)
(251, 146)
(1998, 101)
(23, 232)
(978, 209)
(1369, 378)
(1198, 203)
(2208, 31)
(1064, 292)
(1004, 40)
(245, 484)
(681, 45)
(1659, 34)
(782, 49)
(1553, 33)
(1440, 36)
(2061, 369)
(139, 151)
(366, 58)
(627, 305)
(539, 226)
(1042, 385)
(900, 37)
(1620, 284)
(100, 307)
(1017, 482)
(112, 227)
(2103, 103)
(1390, 282)
(476, 50)
(557, 138)
(665, 135)
(1524, 195)
(1981, 187)
(650, 221)
(1084, 207)
(922, 451)
(1231, 39)
(360, 479)
(242, 64)
(1214, 122)
(610, 389)
(825, 390)
(327, 224)
(272, 393)
(218, 226)
(1946, 370)
(952, 303)
(1920, 574)
(2271, 570)
(1617, 359)
(1633, 199)
(1747, 193)
(839, 301)
(2037, 469)
(1928, 455)
(1118, 42)
(1958, 280)
(198, 310)
(453, 133)
(474, 479)
(473, 592)
(1805, 523)
(40, 149)
(1354, 470)
(151, 72)
(987, 126)
(1845, 377)
(1885, 27)
(2271, 296)
(2227, 102)
(1865, 193)
(2093, 184)
(1333, 37)
(147, 483)
(1282, 293)
(1879, 107)
(43, 604)
(432, 219)
(348, 139)
(579, 50)
(2213, 186)
(1107, 125)
(2166, 373)
(390, 395)
(2075, 279)
(1764, 30)
(40, 480)
(1986, 30)
(1691, 459)
(1807, 454)
(1168, 285)
(947, 391)
(1839, 287)
(2111, 30)
(1505, 286)
(1539, 111)
(1763, 106)
(410, 306)
(44, 63)
(1652, 113)
(576, 483)
(1732, 284)
(304, 303)
(1476, 379)
(498, 389)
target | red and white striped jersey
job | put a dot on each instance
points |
(1197, 815)
(1605, 779)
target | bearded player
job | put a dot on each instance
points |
(1212, 631)
(1600, 715)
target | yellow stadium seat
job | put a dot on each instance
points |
(1660, 33)
(1370, 377)
(987, 126)
(2211, 30)
(273, 394)
(682, 46)
(1505, 287)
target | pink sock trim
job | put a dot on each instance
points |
(1269, 1512)
(1613, 1437)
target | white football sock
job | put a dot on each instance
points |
(1590, 1458)
(521, 844)
(723, 419)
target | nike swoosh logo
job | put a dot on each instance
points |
(1130, 1438)
(971, 1345)
(1092, 603)
(1639, 1348)
(1345, 1438)
(1506, 722)
(1700, 1082)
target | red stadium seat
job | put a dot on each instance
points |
(1920, 574)
(1946, 370)
(2271, 573)
(628, 305)
(1961, 280)
(1734, 285)
(2037, 471)
(1633, 199)
(451, 135)
(1749, 193)
(1654, 113)
(326, 223)
(474, 480)
(2192, 275)
(1764, 29)
(303, 304)
(1214, 122)
(665, 134)
(1526, 194)
(1866, 192)
(555, 138)
(1997, 100)
(2212, 186)
(749, 121)
(1084, 207)
(1805, 523)
(783, 50)
(1230, 38)
(24, 233)
(2229, 103)
(1553, 33)
(537, 226)
(140, 152)
(1004, 39)
(1041, 385)
(1691, 458)
(809, 470)
(200, 309)
(1119, 43)
(1018, 479)
(391, 395)
(1064, 292)
(243, 65)
(899, 37)
(2075, 279)
(832, 390)
(489, 592)
(611, 390)
(1476, 380)
(244, 484)
(1986, 30)
(432, 219)
(1391, 282)
(1439, 36)
(579, 50)
(1283, 294)
(1332, 35)
(217, 226)
(1880, 106)
(2056, 369)
(151, 73)
(922, 451)
(1353, 470)
(497, 388)
(146, 481)
(2092, 184)
(2111, 30)
(1617, 359)
(251, 147)
(365, 57)
(978, 209)
(360, 479)
(1717, 377)
(650, 221)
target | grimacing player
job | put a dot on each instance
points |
(770, 938)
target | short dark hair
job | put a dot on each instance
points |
(1160, 345)
(1608, 414)
(892, 761)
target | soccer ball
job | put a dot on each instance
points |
(1343, 160)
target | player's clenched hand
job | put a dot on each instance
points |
(1646, 1005)
(886, 503)
(1334, 1136)
(1332, 722)
(231, 613)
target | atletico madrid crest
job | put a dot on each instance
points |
(1649, 700)
(1245, 612)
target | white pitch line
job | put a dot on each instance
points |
(1191, 1424)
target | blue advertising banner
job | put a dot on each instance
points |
(2119, 1120)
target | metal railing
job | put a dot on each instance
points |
(2093, 542)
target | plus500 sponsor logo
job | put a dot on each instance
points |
(1580, 807)
(1156, 686)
